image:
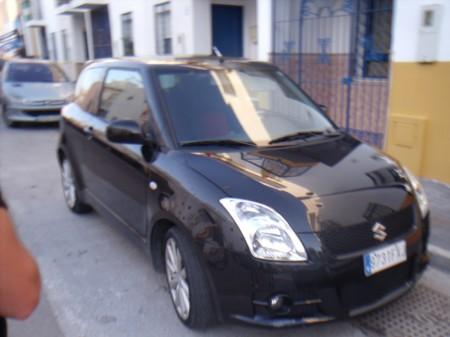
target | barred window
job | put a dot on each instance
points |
(377, 38)
(127, 34)
(163, 29)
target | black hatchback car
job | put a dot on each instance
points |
(249, 198)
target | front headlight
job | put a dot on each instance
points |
(16, 99)
(268, 235)
(419, 191)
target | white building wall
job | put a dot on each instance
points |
(264, 29)
(191, 26)
(407, 17)
(56, 24)
(10, 10)
(182, 24)
(143, 26)
(202, 26)
(76, 36)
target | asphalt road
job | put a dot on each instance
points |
(96, 282)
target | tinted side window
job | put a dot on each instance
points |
(123, 96)
(88, 89)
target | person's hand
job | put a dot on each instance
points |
(19, 275)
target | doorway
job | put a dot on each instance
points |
(227, 29)
(101, 33)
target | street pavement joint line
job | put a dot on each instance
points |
(439, 251)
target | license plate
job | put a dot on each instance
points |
(384, 258)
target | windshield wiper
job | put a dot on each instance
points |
(304, 135)
(218, 142)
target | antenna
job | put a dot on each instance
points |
(216, 52)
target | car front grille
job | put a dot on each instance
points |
(362, 292)
(37, 113)
(341, 240)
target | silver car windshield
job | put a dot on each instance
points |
(34, 73)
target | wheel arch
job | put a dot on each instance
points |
(156, 239)
(157, 235)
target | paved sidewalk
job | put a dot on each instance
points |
(42, 323)
(439, 245)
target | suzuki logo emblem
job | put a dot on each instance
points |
(379, 232)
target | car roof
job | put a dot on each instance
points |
(30, 60)
(200, 61)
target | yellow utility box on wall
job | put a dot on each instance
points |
(406, 136)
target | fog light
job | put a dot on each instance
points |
(277, 302)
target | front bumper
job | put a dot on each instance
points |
(33, 114)
(325, 289)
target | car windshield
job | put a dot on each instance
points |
(35, 72)
(245, 104)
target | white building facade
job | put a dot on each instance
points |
(73, 31)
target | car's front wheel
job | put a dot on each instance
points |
(70, 189)
(188, 285)
(8, 122)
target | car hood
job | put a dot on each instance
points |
(310, 173)
(39, 91)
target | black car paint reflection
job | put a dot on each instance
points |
(329, 190)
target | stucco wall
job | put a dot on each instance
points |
(190, 25)
(419, 113)
(143, 26)
(406, 28)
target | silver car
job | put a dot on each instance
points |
(33, 91)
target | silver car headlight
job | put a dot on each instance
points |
(16, 99)
(268, 235)
(419, 191)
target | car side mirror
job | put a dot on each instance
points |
(125, 131)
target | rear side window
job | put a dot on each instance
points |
(123, 96)
(88, 89)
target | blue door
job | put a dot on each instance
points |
(101, 33)
(227, 29)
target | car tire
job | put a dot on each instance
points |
(200, 310)
(9, 123)
(70, 189)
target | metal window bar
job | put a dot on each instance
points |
(377, 38)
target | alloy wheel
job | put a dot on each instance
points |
(177, 279)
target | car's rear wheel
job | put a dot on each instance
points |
(187, 281)
(70, 189)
